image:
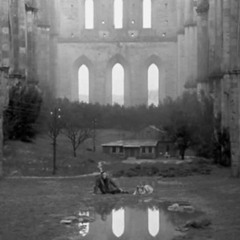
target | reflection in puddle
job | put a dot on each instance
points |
(135, 223)
(84, 227)
(153, 221)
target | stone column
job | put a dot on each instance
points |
(43, 57)
(219, 36)
(234, 122)
(212, 35)
(31, 44)
(203, 44)
(4, 68)
(180, 47)
(181, 56)
(233, 63)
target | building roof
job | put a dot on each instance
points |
(132, 143)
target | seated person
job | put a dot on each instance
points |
(106, 185)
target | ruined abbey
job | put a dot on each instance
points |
(193, 43)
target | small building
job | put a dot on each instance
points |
(133, 148)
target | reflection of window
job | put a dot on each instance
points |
(153, 221)
(147, 13)
(89, 14)
(83, 227)
(118, 222)
(114, 149)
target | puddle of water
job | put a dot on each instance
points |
(138, 222)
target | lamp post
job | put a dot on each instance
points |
(94, 134)
(54, 132)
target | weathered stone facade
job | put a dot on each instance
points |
(49, 43)
(194, 43)
(219, 77)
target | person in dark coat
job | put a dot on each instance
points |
(106, 185)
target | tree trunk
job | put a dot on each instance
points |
(74, 152)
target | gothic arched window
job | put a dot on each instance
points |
(118, 13)
(147, 13)
(153, 85)
(83, 84)
(89, 14)
(118, 84)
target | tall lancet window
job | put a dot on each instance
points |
(118, 222)
(153, 85)
(118, 84)
(147, 13)
(83, 84)
(153, 221)
(89, 14)
(118, 13)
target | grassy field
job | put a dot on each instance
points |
(35, 159)
(32, 208)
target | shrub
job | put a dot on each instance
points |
(22, 112)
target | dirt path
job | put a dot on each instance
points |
(32, 208)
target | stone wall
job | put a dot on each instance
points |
(219, 34)
(166, 44)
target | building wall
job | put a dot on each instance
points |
(100, 48)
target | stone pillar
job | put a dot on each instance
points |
(4, 67)
(181, 59)
(14, 28)
(186, 57)
(43, 57)
(225, 104)
(226, 36)
(234, 122)
(219, 36)
(203, 47)
(233, 19)
(212, 35)
(180, 47)
(195, 55)
(31, 43)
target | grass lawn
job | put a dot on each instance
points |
(35, 159)
(32, 208)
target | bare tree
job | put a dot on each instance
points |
(77, 136)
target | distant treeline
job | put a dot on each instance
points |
(184, 109)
